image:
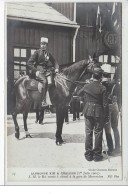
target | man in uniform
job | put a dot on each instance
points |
(113, 90)
(39, 63)
(95, 112)
(75, 104)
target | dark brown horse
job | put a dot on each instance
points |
(60, 95)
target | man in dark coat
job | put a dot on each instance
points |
(39, 63)
(75, 104)
(95, 112)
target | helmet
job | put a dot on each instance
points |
(43, 39)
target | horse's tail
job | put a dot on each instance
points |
(13, 100)
(13, 93)
(19, 81)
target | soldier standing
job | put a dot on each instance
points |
(113, 90)
(75, 104)
(95, 112)
(38, 65)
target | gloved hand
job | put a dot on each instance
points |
(56, 70)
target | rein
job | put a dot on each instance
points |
(75, 83)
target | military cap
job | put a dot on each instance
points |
(43, 39)
(97, 71)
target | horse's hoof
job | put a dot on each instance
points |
(28, 135)
(58, 143)
(41, 123)
(62, 141)
(17, 135)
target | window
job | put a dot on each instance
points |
(20, 59)
(103, 58)
(23, 52)
(20, 62)
(16, 52)
(115, 59)
(32, 51)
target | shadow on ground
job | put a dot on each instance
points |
(68, 138)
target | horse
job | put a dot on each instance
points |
(60, 95)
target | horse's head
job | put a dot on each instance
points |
(91, 65)
(88, 71)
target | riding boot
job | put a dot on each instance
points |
(44, 90)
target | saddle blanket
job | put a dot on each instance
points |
(34, 85)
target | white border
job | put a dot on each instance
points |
(2, 93)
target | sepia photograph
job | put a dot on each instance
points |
(64, 93)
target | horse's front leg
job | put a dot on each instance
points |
(14, 116)
(60, 114)
(25, 116)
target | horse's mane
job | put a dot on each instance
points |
(73, 67)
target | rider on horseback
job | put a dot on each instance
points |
(39, 64)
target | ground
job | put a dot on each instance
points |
(41, 152)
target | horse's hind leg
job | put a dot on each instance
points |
(25, 116)
(14, 116)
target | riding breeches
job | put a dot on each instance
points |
(93, 125)
(42, 79)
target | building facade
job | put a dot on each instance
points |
(74, 30)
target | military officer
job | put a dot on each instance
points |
(95, 112)
(39, 63)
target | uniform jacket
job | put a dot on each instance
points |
(40, 61)
(96, 100)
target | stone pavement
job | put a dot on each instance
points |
(42, 152)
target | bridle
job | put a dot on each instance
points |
(78, 83)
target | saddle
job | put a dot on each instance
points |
(34, 85)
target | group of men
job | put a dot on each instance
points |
(100, 104)
(100, 111)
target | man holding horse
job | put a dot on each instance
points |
(95, 112)
(39, 65)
